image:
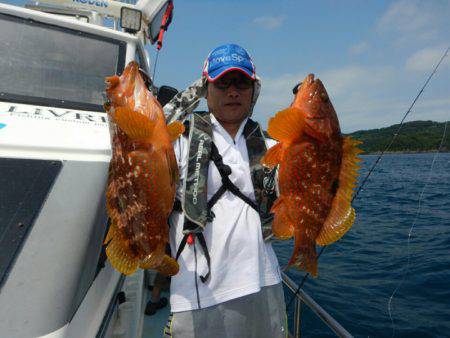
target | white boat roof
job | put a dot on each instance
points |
(68, 22)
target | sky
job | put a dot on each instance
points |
(372, 56)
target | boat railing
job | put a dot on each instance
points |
(303, 297)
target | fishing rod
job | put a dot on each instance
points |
(394, 136)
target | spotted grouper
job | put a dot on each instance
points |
(143, 174)
(317, 174)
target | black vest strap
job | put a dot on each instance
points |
(202, 241)
(225, 171)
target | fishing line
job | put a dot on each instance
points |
(394, 136)
(154, 67)
(419, 209)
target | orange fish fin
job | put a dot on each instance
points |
(282, 226)
(309, 262)
(287, 125)
(134, 124)
(273, 156)
(173, 167)
(154, 259)
(161, 262)
(175, 129)
(168, 267)
(342, 215)
(119, 255)
(304, 255)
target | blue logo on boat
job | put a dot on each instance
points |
(93, 3)
(2, 125)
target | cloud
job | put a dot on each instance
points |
(359, 48)
(276, 94)
(354, 90)
(425, 59)
(408, 22)
(269, 22)
(405, 16)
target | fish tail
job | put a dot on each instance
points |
(342, 215)
(287, 125)
(118, 253)
(158, 260)
(168, 266)
(304, 255)
(309, 262)
(154, 259)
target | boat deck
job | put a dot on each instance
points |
(153, 326)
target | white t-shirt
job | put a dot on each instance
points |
(241, 262)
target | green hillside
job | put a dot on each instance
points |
(415, 136)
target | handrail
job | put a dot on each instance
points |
(302, 296)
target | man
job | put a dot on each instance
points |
(229, 283)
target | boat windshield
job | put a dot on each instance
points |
(49, 65)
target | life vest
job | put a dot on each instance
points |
(195, 206)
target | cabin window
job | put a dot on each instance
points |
(55, 66)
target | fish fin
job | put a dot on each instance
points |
(134, 124)
(309, 260)
(342, 215)
(282, 226)
(119, 255)
(304, 255)
(168, 267)
(154, 259)
(273, 156)
(175, 129)
(173, 167)
(161, 262)
(287, 125)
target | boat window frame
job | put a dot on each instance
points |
(43, 101)
(141, 58)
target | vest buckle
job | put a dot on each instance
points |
(190, 239)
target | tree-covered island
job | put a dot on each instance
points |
(415, 136)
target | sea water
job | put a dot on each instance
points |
(358, 274)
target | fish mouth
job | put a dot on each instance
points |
(310, 79)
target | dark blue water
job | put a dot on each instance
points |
(358, 274)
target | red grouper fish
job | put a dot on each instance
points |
(143, 174)
(317, 174)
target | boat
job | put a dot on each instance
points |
(55, 280)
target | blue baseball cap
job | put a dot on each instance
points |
(227, 58)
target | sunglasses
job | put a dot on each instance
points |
(241, 82)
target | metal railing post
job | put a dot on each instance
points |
(297, 318)
(302, 296)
